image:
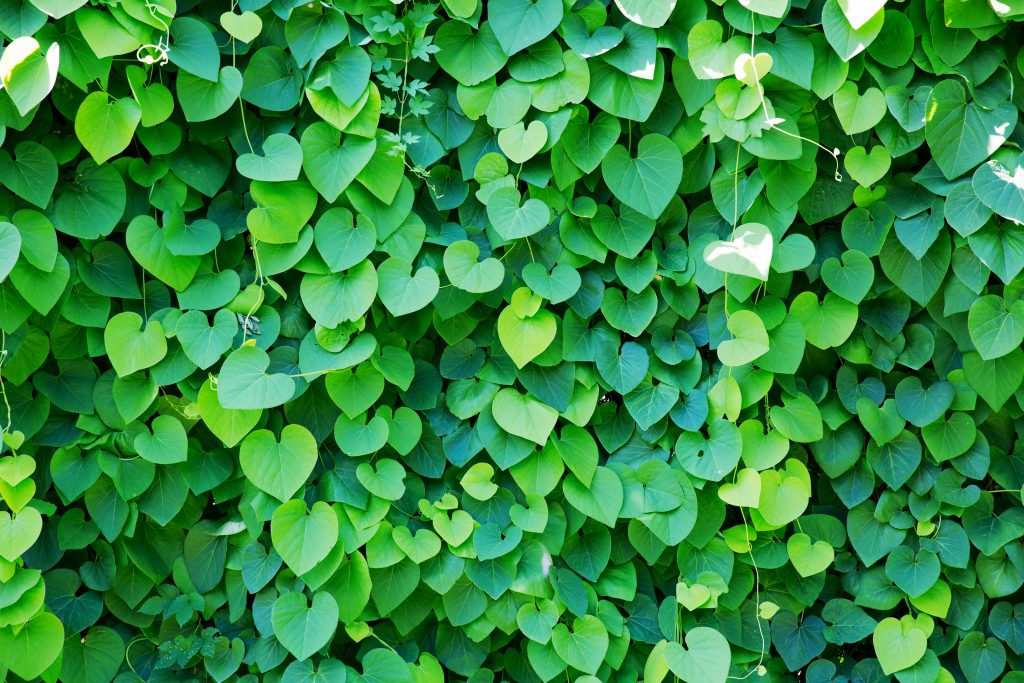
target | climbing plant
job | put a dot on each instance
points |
(519, 340)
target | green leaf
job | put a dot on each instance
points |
(93, 657)
(340, 297)
(585, 646)
(146, 242)
(469, 57)
(514, 218)
(851, 278)
(27, 74)
(994, 380)
(705, 658)
(858, 112)
(826, 324)
(10, 247)
(749, 342)
(18, 532)
(106, 128)
(34, 647)
(279, 467)
(303, 538)
(587, 143)
(867, 168)
(304, 627)
(711, 457)
(465, 272)
(202, 99)
(981, 659)
(195, 49)
(166, 445)
(648, 181)
(520, 144)
(899, 643)
(331, 164)
(243, 382)
(784, 494)
(748, 253)
(403, 293)
(282, 210)
(132, 344)
(205, 344)
(384, 479)
(1000, 189)
(524, 328)
(961, 134)
(996, 326)
(281, 160)
(518, 24)
(846, 39)
(32, 175)
(523, 415)
(913, 573)
(809, 558)
(653, 14)
(245, 26)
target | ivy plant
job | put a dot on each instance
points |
(511, 340)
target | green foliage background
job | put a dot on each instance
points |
(519, 340)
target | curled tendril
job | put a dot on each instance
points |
(156, 53)
(773, 122)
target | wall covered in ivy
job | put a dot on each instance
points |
(511, 340)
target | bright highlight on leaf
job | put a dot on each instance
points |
(748, 253)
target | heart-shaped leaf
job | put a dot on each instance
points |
(26, 73)
(749, 342)
(32, 175)
(704, 659)
(30, 650)
(809, 558)
(403, 293)
(585, 646)
(748, 253)
(899, 643)
(303, 538)
(105, 128)
(513, 218)
(132, 344)
(960, 133)
(18, 532)
(867, 168)
(166, 445)
(521, 143)
(279, 467)
(303, 627)
(243, 382)
(246, 26)
(281, 160)
(465, 272)
(648, 181)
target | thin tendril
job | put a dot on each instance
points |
(773, 121)
(3, 388)
(162, 48)
(757, 603)
(245, 128)
(259, 281)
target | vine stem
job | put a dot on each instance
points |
(259, 282)
(383, 642)
(245, 128)
(757, 602)
(3, 388)
(772, 121)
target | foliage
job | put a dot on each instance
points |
(523, 340)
